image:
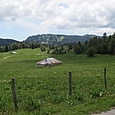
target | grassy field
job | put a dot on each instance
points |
(44, 90)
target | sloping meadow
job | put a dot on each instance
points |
(44, 90)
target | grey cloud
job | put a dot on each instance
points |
(111, 23)
(13, 19)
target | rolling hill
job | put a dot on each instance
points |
(58, 39)
(6, 41)
(50, 39)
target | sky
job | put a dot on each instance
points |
(20, 19)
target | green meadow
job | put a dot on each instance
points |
(44, 90)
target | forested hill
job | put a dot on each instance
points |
(50, 39)
(6, 41)
(58, 39)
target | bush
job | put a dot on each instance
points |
(91, 51)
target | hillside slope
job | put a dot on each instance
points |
(6, 41)
(58, 39)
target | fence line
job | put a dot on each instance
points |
(69, 87)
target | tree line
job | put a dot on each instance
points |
(95, 45)
(20, 45)
(104, 45)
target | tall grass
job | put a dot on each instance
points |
(44, 90)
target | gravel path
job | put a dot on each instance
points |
(111, 112)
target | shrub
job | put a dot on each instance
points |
(91, 51)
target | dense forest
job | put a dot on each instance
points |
(95, 45)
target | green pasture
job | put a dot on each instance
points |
(44, 90)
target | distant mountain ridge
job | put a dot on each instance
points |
(50, 39)
(58, 38)
(6, 41)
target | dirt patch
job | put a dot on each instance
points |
(7, 57)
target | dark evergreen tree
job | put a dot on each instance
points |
(42, 47)
(79, 43)
(6, 48)
(77, 49)
(111, 46)
(104, 48)
(104, 35)
(70, 46)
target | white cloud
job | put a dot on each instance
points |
(80, 16)
(61, 15)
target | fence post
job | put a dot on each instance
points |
(70, 83)
(105, 80)
(14, 94)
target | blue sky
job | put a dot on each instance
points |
(20, 19)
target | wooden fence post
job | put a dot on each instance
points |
(105, 80)
(70, 83)
(14, 94)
